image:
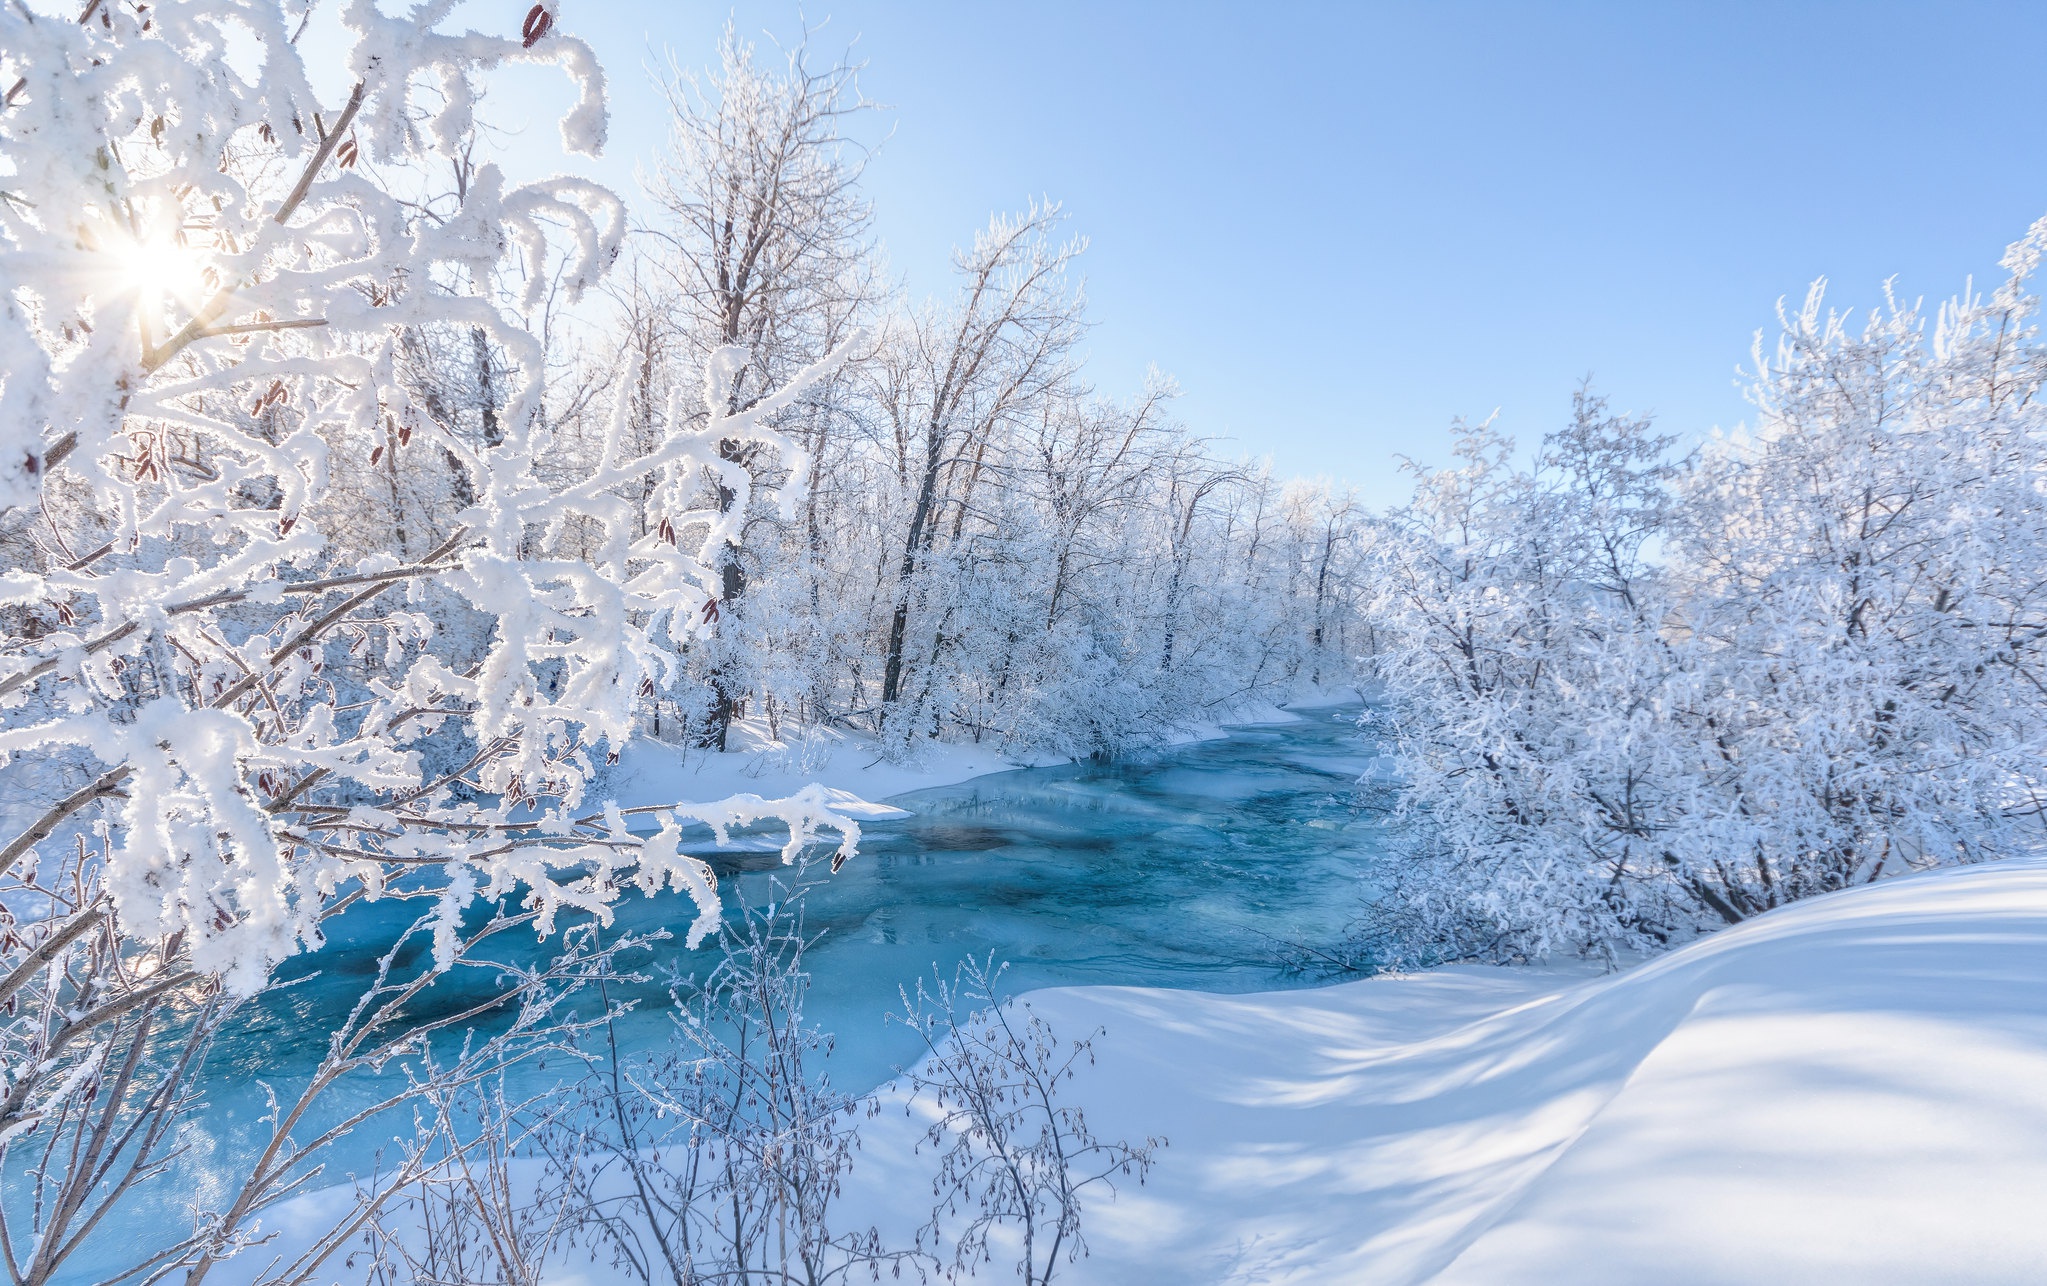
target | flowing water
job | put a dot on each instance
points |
(1192, 868)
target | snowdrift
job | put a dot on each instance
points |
(1853, 1089)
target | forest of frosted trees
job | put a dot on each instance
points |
(964, 540)
(360, 504)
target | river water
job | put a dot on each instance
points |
(1190, 868)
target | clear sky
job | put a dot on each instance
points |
(1340, 226)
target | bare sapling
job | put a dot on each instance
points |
(718, 1157)
(1014, 1157)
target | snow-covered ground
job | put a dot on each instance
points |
(1853, 1089)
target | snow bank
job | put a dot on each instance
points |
(1853, 1089)
(850, 765)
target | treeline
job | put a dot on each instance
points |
(985, 547)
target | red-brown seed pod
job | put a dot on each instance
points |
(538, 20)
(376, 455)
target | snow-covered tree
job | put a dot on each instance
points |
(763, 249)
(1517, 622)
(1865, 571)
(227, 712)
(951, 379)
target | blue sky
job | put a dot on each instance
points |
(1342, 225)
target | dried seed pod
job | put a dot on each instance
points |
(538, 20)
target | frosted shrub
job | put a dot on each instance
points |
(1632, 700)
(719, 1157)
(1014, 1155)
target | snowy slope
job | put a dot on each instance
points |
(1850, 1090)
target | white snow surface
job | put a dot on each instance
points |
(1852, 1089)
(850, 766)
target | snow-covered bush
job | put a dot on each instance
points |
(1633, 699)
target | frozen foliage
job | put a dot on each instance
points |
(213, 302)
(1632, 699)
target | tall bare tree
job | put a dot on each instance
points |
(771, 248)
(956, 376)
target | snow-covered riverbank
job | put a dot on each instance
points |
(1853, 1089)
(852, 764)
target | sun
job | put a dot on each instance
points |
(150, 259)
(156, 267)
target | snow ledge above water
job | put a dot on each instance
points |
(849, 765)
